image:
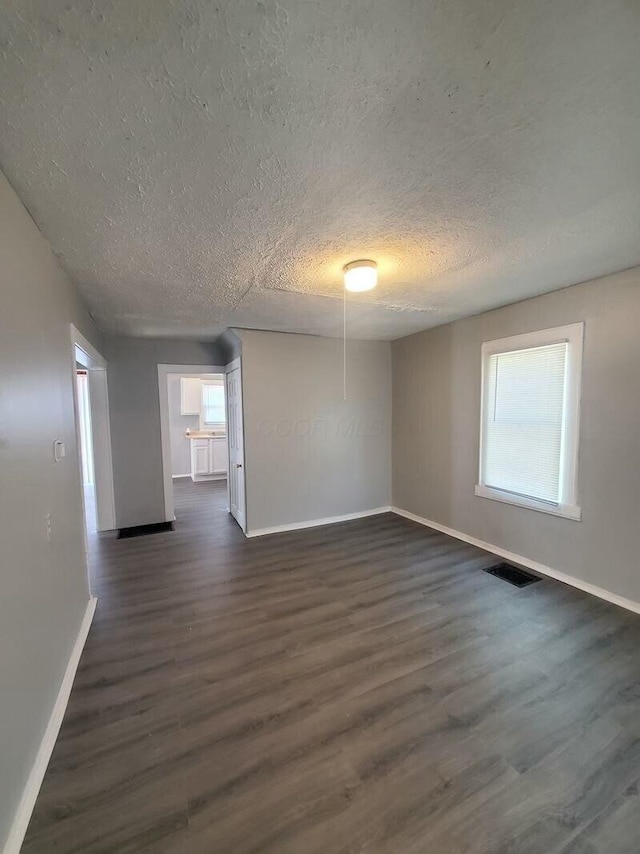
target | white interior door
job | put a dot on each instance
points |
(236, 444)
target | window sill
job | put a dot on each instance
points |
(567, 511)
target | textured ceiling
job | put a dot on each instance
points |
(197, 165)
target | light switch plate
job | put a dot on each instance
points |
(58, 450)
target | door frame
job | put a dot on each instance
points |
(165, 430)
(85, 354)
(232, 366)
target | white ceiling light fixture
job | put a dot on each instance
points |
(360, 276)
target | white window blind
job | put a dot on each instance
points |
(213, 411)
(530, 420)
(525, 406)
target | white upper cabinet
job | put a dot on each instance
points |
(190, 395)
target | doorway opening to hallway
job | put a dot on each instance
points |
(93, 435)
(198, 429)
(201, 429)
(86, 451)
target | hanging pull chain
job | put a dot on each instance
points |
(344, 343)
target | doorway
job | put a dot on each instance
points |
(194, 420)
(93, 435)
(86, 451)
(197, 430)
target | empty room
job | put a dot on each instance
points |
(320, 427)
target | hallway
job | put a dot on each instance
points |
(360, 687)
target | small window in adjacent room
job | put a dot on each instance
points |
(213, 410)
(530, 418)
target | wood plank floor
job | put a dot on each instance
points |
(362, 688)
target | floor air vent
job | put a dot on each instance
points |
(143, 530)
(515, 576)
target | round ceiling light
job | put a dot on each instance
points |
(361, 276)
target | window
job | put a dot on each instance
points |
(213, 410)
(530, 418)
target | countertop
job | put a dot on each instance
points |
(206, 434)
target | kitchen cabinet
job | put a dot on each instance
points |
(199, 458)
(190, 395)
(218, 456)
(209, 458)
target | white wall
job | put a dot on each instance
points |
(178, 423)
(308, 453)
(436, 415)
(43, 585)
(134, 405)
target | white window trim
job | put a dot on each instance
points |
(573, 334)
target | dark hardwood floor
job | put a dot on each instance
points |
(362, 687)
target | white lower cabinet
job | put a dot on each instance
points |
(209, 458)
(218, 456)
(199, 458)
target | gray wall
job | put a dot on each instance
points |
(43, 585)
(308, 453)
(231, 344)
(436, 415)
(178, 423)
(134, 407)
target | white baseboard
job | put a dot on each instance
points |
(600, 592)
(314, 523)
(30, 793)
